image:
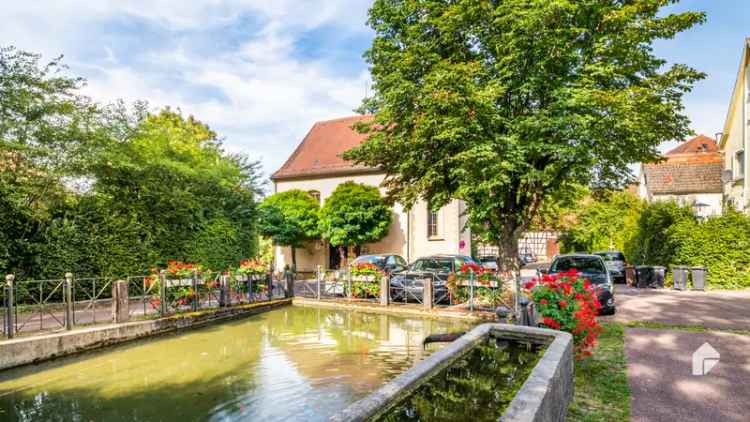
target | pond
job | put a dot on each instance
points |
(293, 363)
(485, 379)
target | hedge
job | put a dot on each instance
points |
(722, 244)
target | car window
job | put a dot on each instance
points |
(430, 264)
(582, 264)
(612, 256)
(391, 260)
(400, 261)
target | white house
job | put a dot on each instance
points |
(689, 174)
(316, 166)
(734, 138)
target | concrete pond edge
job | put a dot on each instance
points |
(544, 396)
(29, 350)
(396, 310)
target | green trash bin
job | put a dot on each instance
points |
(699, 277)
(679, 277)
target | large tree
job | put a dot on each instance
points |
(504, 103)
(353, 215)
(289, 218)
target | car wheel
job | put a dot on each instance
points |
(608, 311)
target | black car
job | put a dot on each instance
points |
(389, 264)
(409, 285)
(594, 269)
(615, 262)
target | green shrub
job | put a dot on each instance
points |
(608, 220)
(722, 244)
(654, 244)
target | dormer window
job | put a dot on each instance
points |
(315, 194)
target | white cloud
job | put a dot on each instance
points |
(264, 95)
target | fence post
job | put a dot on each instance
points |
(269, 285)
(120, 302)
(471, 290)
(318, 276)
(289, 283)
(196, 296)
(68, 296)
(385, 290)
(162, 293)
(427, 296)
(223, 293)
(10, 323)
(349, 280)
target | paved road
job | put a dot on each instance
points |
(662, 385)
(712, 309)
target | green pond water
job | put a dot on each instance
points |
(478, 387)
(293, 363)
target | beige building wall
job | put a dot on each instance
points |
(407, 235)
(713, 200)
(735, 139)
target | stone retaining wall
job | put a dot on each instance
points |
(543, 397)
(26, 350)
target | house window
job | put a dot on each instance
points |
(739, 164)
(432, 223)
(315, 194)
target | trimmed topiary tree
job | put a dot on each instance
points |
(353, 215)
(289, 219)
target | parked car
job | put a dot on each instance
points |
(488, 262)
(409, 285)
(595, 270)
(387, 263)
(615, 262)
(526, 257)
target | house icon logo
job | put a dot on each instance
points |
(704, 359)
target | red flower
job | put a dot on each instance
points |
(543, 302)
(551, 323)
(563, 304)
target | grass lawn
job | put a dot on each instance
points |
(602, 392)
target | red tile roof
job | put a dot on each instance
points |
(700, 143)
(319, 153)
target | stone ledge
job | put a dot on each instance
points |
(27, 350)
(399, 310)
(543, 397)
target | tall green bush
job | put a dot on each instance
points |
(654, 243)
(722, 244)
(607, 220)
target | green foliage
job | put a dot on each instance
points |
(607, 220)
(353, 215)
(289, 218)
(654, 243)
(504, 104)
(722, 244)
(104, 190)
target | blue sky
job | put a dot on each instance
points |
(261, 72)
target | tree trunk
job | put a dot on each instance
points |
(342, 255)
(294, 260)
(507, 260)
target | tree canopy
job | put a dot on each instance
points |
(112, 190)
(504, 103)
(289, 218)
(353, 215)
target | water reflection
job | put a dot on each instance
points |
(293, 363)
